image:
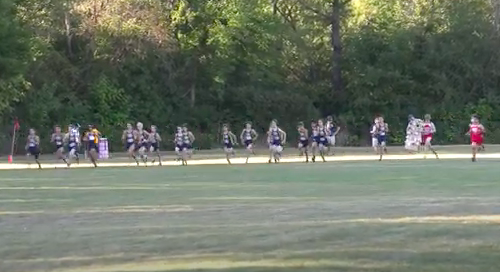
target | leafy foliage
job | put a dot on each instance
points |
(212, 62)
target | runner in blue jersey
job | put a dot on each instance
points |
(322, 139)
(154, 143)
(229, 140)
(179, 144)
(382, 130)
(187, 147)
(248, 136)
(303, 140)
(314, 140)
(141, 144)
(333, 131)
(276, 139)
(72, 139)
(58, 140)
(33, 146)
(129, 137)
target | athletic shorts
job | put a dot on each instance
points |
(276, 148)
(154, 146)
(476, 141)
(426, 138)
(179, 147)
(304, 143)
(72, 146)
(92, 145)
(129, 145)
(34, 150)
(323, 141)
(141, 145)
(381, 139)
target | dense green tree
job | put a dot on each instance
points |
(228, 61)
(14, 55)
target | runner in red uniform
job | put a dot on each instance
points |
(428, 130)
(476, 132)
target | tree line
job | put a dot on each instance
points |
(206, 63)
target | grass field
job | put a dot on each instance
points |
(403, 216)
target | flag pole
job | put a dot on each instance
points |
(16, 124)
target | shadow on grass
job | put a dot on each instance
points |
(277, 269)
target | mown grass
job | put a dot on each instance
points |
(389, 216)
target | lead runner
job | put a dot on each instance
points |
(428, 130)
(476, 132)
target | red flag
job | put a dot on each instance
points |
(16, 124)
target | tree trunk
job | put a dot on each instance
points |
(337, 83)
(192, 89)
(67, 25)
(193, 94)
(496, 13)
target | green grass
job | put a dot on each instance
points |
(354, 217)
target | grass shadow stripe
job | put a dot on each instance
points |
(120, 209)
(166, 264)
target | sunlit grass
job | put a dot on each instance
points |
(391, 216)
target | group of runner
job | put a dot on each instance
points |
(419, 134)
(318, 140)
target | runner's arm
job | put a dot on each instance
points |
(336, 131)
(255, 135)
(233, 138)
(283, 135)
(241, 136)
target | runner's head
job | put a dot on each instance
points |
(313, 124)
(274, 123)
(153, 129)
(427, 117)
(474, 119)
(129, 126)
(140, 126)
(248, 125)
(32, 131)
(57, 129)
